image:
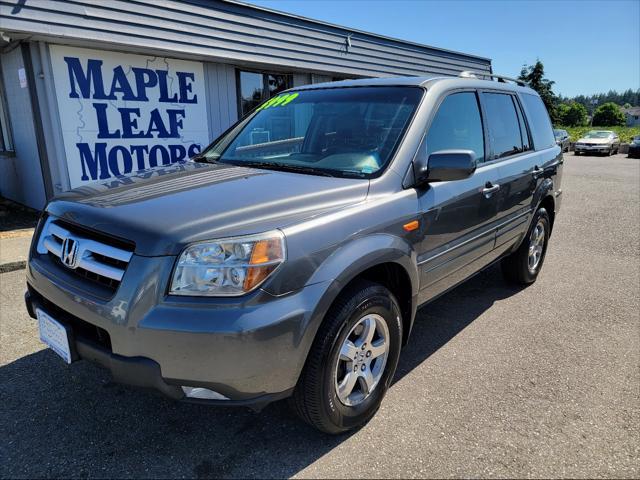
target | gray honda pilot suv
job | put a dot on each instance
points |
(288, 259)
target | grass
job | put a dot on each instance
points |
(625, 133)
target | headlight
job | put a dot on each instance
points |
(229, 266)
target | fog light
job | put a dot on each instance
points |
(204, 393)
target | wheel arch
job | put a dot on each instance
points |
(382, 258)
(544, 197)
(549, 204)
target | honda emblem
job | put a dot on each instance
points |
(70, 252)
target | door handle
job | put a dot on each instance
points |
(489, 189)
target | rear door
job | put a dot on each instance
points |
(518, 165)
(458, 216)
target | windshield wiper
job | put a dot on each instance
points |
(285, 167)
(204, 159)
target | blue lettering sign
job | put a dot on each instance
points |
(162, 119)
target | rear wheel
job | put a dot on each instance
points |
(352, 361)
(524, 265)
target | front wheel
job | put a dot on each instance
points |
(352, 361)
(524, 265)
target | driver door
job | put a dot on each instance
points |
(458, 216)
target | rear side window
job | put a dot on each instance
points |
(524, 135)
(539, 122)
(503, 125)
(457, 126)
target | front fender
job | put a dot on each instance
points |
(344, 264)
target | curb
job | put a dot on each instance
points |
(13, 266)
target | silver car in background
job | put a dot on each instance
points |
(598, 141)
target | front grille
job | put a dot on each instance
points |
(87, 254)
(107, 282)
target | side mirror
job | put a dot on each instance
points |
(445, 166)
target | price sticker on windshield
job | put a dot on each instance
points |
(279, 101)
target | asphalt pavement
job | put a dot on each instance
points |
(496, 381)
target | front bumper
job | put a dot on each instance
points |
(250, 350)
(593, 148)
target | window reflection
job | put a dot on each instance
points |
(251, 91)
(254, 88)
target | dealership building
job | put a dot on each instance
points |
(90, 90)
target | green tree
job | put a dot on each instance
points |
(533, 75)
(561, 114)
(608, 115)
(574, 115)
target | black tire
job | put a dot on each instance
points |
(315, 398)
(515, 267)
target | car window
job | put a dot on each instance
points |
(503, 125)
(524, 134)
(539, 121)
(457, 126)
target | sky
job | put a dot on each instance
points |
(586, 46)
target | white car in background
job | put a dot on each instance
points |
(598, 141)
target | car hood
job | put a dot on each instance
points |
(599, 141)
(162, 209)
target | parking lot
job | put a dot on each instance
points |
(496, 381)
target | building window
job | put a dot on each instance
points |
(6, 142)
(254, 88)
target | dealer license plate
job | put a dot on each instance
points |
(53, 334)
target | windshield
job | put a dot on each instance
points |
(558, 133)
(594, 134)
(339, 132)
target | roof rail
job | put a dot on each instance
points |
(500, 78)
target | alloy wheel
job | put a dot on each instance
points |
(362, 358)
(536, 246)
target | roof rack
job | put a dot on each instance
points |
(500, 78)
